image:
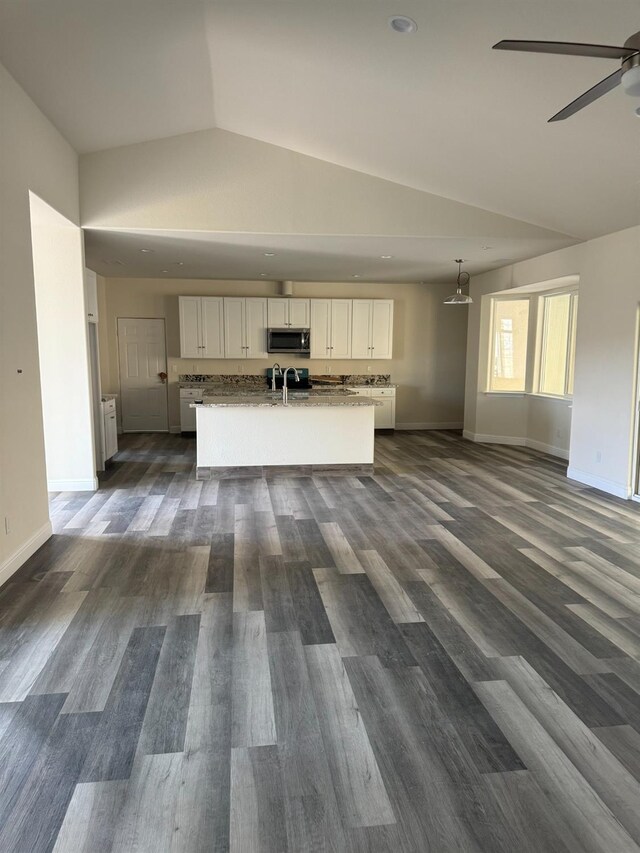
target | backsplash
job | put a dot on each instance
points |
(240, 379)
(352, 379)
(246, 379)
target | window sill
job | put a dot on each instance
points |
(527, 394)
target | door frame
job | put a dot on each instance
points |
(119, 409)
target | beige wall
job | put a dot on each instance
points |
(33, 156)
(603, 422)
(429, 339)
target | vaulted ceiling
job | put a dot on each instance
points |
(436, 110)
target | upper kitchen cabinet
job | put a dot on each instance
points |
(330, 324)
(245, 327)
(372, 328)
(288, 313)
(201, 326)
(91, 295)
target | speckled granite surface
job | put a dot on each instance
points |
(257, 381)
(295, 400)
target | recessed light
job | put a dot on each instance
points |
(355, 276)
(147, 251)
(165, 270)
(178, 263)
(269, 254)
(386, 257)
(263, 274)
(402, 24)
(487, 247)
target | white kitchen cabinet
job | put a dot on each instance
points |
(288, 313)
(91, 295)
(341, 328)
(320, 328)
(330, 324)
(372, 328)
(110, 430)
(245, 327)
(385, 413)
(201, 326)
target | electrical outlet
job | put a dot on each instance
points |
(598, 456)
(174, 368)
(327, 368)
(368, 368)
(7, 526)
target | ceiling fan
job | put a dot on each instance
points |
(628, 74)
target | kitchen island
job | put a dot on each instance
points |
(258, 430)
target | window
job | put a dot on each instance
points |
(558, 343)
(508, 357)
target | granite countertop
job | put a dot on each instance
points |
(275, 400)
(262, 390)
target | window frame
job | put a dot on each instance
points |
(541, 322)
(495, 299)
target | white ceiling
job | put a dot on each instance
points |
(437, 110)
(203, 254)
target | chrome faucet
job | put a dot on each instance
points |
(285, 390)
(275, 373)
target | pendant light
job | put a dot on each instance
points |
(460, 298)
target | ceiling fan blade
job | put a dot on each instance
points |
(567, 48)
(590, 96)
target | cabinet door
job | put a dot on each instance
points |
(341, 328)
(277, 313)
(385, 416)
(110, 435)
(361, 328)
(299, 313)
(256, 328)
(320, 328)
(382, 328)
(234, 327)
(91, 295)
(212, 327)
(190, 326)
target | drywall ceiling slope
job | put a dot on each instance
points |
(438, 110)
(217, 201)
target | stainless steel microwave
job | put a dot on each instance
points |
(289, 340)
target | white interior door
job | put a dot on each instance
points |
(143, 356)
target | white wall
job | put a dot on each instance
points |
(33, 156)
(63, 357)
(428, 344)
(214, 180)
(602, 420)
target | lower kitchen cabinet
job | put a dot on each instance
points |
(110, 431)
(385, 414)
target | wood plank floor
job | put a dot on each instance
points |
(444, 656)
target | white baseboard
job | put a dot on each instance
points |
(13, 563)
(432, 425)
(175, 429)
(488, 438)
(516, 441)
(90, 485)
(560, 452)
(602, 483)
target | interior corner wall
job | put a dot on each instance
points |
(603, 418)
(58, 266)
(429, 340)
(33, 156)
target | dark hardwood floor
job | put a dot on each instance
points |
(444, 656)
